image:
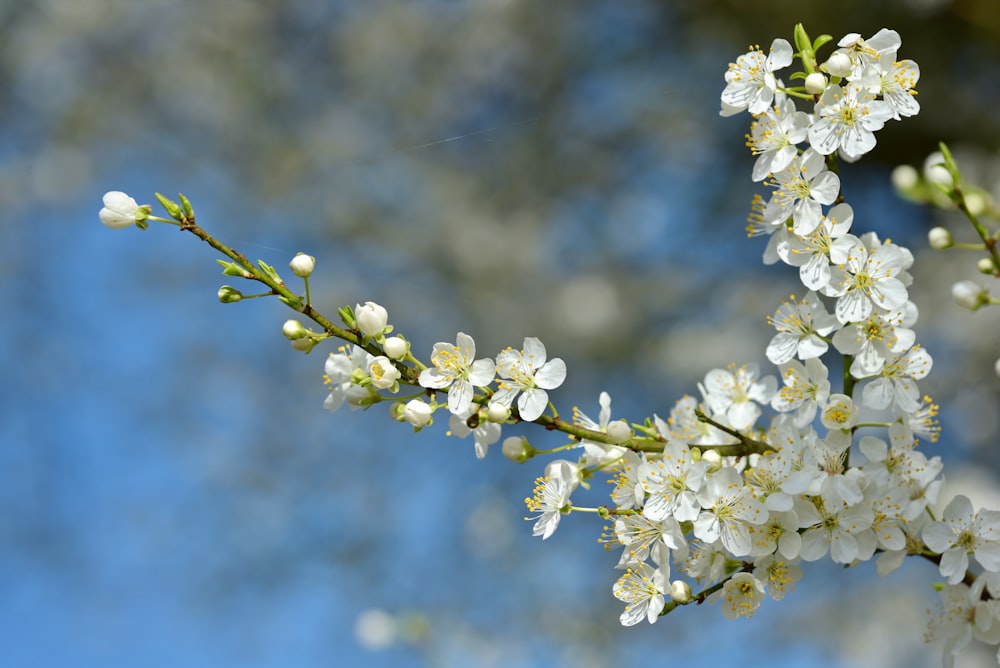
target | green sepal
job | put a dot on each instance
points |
(292, 303)
(172, 208)
(820, 41)
(270, 271)
(347, 316)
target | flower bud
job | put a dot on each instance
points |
(838, 64)
(969, 294)
(302, 265)
(371, 318)
(939, 238)
(680, 591)
(417, 413)
(121, 211)
(619, 431)
(905, 177)
(996, 367)
(383, 374)
(985, 265)
(497, 412)
(396, 347)
(229, 294)
(935, 171)
(815, 83)
(516, 449)
(293, 330)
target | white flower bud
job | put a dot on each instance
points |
(712, 457)
(417, 413)
(996, 367)
(120, 210)
(939, 238)
(515, 449)
(838, 64)
(293, 330)
(396, 347)
(371, 318)
(815, 83)
(985, 265)
(619, 431)
(383, 374)
(905, 177)
(934, 170)
(969, 294)
(302, 265)
(497, 412)
(680, 591)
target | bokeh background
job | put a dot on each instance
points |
(172, 493)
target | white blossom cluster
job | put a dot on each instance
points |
(734, 489)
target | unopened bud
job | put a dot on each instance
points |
(969, 294)
(975, 203)
(838, 64)
(815, 83)
(939, 238)
(396, 347)
(680, 591)
(619, 431)
(935, 171)
(905, 177)
(516, 449)
(417, 413)
(497, 412)
(996, 367)
(985, 265)
(371, 318)
(302, 265)
(383, 374)
(229, 294)
(293, 330)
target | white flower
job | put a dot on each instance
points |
(805, 387)
(773, 136)
(961, 532)
(873, 340)
(550, 496)
(846, 119)
(671, 482)
(895, 382)
(742, 594)
(839, 412)
(897, 80)
(781, 576)
(827, 531)
(802, 187)
(729, 510)
(800, 327)
(598, 453)
(864, 52)
(527, 371)
(640, 536)
(383, 373)
(120, 211)
(867, 280)
(642, 589)
(485, 433)
(813, 253)
(344, 373)
(750, 81)
(371, 318)
(964, 616)
(736, 394)
(455, 369)
(302, 265)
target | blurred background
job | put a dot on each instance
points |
(172, 491)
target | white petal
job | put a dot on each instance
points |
(551, 375)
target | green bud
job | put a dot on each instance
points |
(229, 294)
(186, 203)
(233, 269)
(172, 208)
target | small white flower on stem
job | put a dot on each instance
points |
(960, 532)
(548, 499)
(750, 81)
(642, 589)
(121, 211)
(371, 318)
(302, 265)
(527, 372)
(455, 369)
(418, 413)
(742, 595)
